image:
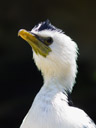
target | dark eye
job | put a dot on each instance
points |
(49, 40)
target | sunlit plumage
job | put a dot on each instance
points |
(55, 55)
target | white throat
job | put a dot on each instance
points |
(60, 74)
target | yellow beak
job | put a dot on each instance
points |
(38, 45)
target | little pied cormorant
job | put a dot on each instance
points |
(55, 55)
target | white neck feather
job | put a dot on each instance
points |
(62, 75)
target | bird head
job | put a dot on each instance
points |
(54, 53)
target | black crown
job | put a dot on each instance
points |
(46, 25)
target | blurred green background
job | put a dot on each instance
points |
(19, 77)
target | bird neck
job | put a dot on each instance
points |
(60, 82)
(63, 76)
(59, 74)
(52, 89)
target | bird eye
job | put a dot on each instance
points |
(49, 40)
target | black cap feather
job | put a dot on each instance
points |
(46, 25)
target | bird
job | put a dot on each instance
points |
(55, 55)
